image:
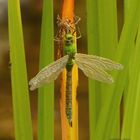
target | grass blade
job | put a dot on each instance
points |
(131, 105)
(102, 39)
(21, 107)
(108, 34)
(46, 93)
(107, 17)
(93, 48)
(109, 111)
(135, 135)
(136, 119)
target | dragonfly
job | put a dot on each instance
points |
(93, 66)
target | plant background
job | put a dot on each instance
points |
(31, 18)
(31, 15)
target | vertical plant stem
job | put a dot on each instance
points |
(131, 87)
(135, 135)
(136, 117)
(93, 48)
(104, 125)
(131, 121)
(69, 133)
(102, 39)
(20, 95)
(46, 93)
(108, 34)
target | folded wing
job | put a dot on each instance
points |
(49, 73)
(94, 67)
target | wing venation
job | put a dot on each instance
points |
(103, 63)
(49, 73)
(94, 67)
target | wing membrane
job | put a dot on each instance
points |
(49, 73)
(101, 62)
(94, 67)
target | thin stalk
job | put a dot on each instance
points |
(131, 121)
(135, 135)
(136, 121)
(20, 94)
(46, 93)
(93, 48)
(68, 132)
(131, 87)
(108, 34)
(102, 39)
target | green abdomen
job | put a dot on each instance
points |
(68, 108)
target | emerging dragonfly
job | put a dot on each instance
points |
(66, 26)
(93, 67)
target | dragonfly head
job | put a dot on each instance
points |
(69, 45)
(69, 39)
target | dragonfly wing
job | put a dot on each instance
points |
(49, 73)
(91, 68)
(100, 62)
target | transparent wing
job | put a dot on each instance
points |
(94, 67)
(101, 62)
(49, 73)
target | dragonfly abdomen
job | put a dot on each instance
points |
(69, 97)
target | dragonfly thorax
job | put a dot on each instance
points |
(69, 49)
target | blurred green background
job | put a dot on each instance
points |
(31, 17)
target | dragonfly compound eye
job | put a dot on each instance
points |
(69, 36)
(67, 42)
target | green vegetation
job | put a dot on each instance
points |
(21, 107)
(104, 100)
(46, 93)
(107, 98)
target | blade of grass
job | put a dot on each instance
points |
(124, 52)
(131, 103)
(93, 48)
(46, 93)
(108, 34)
(130, 95)
(21, 106)
(135, 135)
(100, 15)
(127, 96)
(107, 17)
